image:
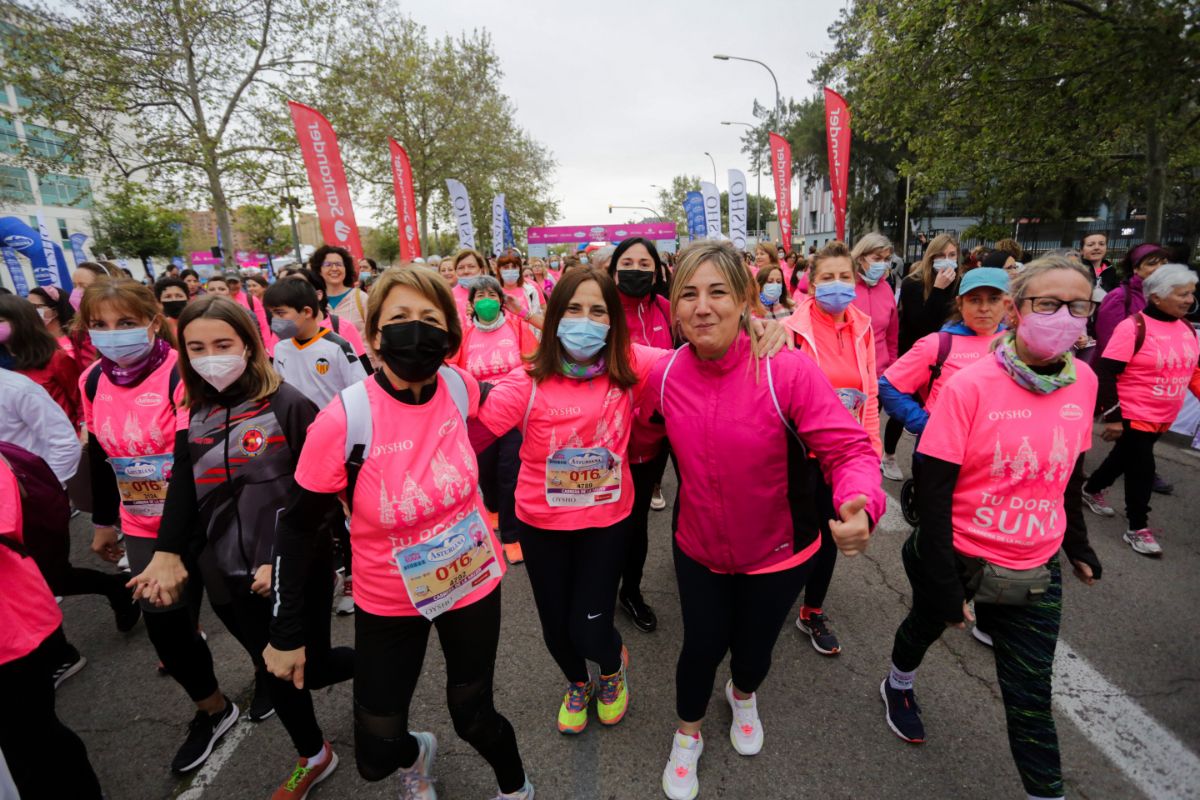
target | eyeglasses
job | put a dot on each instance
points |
(1051, 305)
(333, 264)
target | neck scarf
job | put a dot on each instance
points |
(134, 373)
(1025, 376)
(487, 327)
(582, 372)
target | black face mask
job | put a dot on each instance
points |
(635, 282)
(173, 308)
(413, 350)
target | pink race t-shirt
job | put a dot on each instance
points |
(136, 426)
(1017, 450)
(1153, 385)
(28, 613)
(347, 331)
(574, 466)
(461, 295)
(488, 355)
(910, 373)
(420, 477)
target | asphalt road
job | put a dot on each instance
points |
(1139, 628)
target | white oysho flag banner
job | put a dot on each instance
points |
(712, 210)
(738, 206)
(460, 206)
(497, 225)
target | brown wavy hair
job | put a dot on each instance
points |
(127, 295)
(259, 381)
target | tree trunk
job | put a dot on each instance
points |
(1156, 181)
(221, 210)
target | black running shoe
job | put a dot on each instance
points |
(643, 616)
(203, 733)
(70, 666)
(816, 625)
(903, 714)
(261, 707)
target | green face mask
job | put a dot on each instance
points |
(487, 309)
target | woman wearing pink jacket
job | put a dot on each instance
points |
(743, 548)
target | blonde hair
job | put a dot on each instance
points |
(726, 261)
(771, 250)
(924, 269)
(868, 245)
(429, 284)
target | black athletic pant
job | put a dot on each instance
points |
(821, 574)
(390, 652)
(723, 613)
(646, 476)
(51, 551)
(323, 665)
(574, 576)
(499, 465)
(1133, 456)
(892, 432)
(46, 758)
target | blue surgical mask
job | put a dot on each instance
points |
(874, 273)
(944, 263)
(834, 297)
(364, 276)
(581, 337)
(771, 292)
(123, 347)
(553, 265)
(469, 282)
(510, 275)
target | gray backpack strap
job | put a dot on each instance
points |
(458, 389)
(358, 432)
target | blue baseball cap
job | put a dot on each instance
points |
(979, 277)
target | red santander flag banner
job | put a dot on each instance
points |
(406, 203)
(327, 176)
(781, 170)
(837, 139)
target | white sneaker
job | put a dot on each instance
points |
(746, 732)
(1098, 504)
(657, 501)
(416, 782)
(524, 793)
(981, 637)
(1143, 542)
(890, 469)
(679, 778)
(344, 605)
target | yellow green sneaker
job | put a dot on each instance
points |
(614, 694)
(572, 714)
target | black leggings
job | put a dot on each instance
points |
(51, 551)
(390, 652)
(574, 576)
(892, 432)
(499, 465)
(1133, 456)
(821, 574)
(45, 757)
(646, 476)
(722, 613)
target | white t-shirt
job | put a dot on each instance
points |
(320, 367)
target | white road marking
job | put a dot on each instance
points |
(1151, 757)
(220, 755)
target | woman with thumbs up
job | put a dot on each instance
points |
(742, 548)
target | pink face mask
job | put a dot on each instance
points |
(75, 298)
(1048, 336)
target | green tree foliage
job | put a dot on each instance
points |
(185, 94)
(261, 225)
(383, 244)
(128, 223)
(670, 202)
(441, 100)
(1040, 107)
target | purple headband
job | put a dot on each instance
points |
(1139, 253)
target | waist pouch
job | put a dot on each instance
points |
(990, 583)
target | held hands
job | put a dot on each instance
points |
(162, 581)
(944, 277)
(105, 545)
(852, 532)
(287, 665)
(772, 337)
(1112, 431)
(262, 581)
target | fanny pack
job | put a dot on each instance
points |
(991, 583)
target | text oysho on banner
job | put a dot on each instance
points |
(406, 203)
(460, 207)
(837, 140)
(712, 210)
(738, 208)
(498, 224)
(693, 208)
(781, 172)
(510, 241)
(327, 177)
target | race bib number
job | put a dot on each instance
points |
(853, 400)
(577, 476)
(142, 482)
(440, 572)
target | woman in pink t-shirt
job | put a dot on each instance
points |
(840, 338)
(396, 448)
(1000, 491)
(1146, 369)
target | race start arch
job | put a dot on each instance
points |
(539, 239)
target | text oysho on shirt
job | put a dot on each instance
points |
(1016, 450)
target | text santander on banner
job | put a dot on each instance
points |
(327, 177)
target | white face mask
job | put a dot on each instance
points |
(220, 371)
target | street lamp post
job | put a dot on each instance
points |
(758, 200)
(778, 105)
(714, 163)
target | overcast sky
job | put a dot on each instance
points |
(626, 93)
